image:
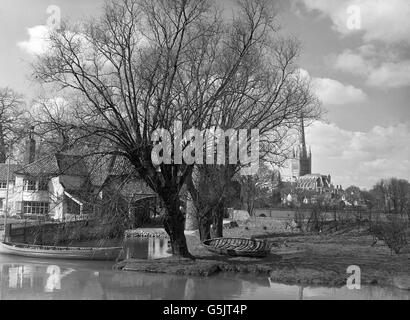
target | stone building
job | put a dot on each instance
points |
(298, 172)
(300, 162)
(302, 159)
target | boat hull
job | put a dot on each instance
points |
(53, 252)
(238, 247)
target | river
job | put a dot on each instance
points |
(27, 278)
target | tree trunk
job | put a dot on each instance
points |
(3, 155)
(174, 224)
(217, 225)
(204, 228)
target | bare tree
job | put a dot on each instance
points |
(141, 66)
(11, 120)
(392, 196)
(353, 195)
(268, 94)
(260, 185)
(56, 121)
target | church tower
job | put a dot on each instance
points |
(305, 157)
(301, 162)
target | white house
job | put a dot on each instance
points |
(63, 186)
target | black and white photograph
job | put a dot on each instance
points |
(209, 154)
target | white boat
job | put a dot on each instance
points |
(56, 252)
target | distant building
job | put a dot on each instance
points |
(315, 182)
(298, 170)
(300, 162)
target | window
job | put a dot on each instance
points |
(35, 208)
(29, 185)
(43, 185)
(3, 184)
(36, 185)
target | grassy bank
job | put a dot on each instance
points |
(295, 259)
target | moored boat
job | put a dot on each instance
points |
(238, 247)
(56, 252)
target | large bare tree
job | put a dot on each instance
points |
(144, 64)
(270, 94)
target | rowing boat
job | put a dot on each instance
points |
(238, 247)
(55, 252)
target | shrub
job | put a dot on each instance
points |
(394, 233)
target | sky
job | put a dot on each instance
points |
(356, 53)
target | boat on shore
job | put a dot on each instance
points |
(56, 252)
(242, 247)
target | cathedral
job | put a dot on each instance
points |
(299, 168)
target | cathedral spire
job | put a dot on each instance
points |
(305, 159)
(302, 136)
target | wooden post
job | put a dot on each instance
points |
(7, 232)
(24, 231)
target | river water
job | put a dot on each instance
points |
(27, 278)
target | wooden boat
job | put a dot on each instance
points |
(54, 252)
(238, 247)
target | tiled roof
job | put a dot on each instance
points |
(80, 195)
(3, 171)
(97, 168)
(71, 165)
(312, 181)
(116, 171)
(56, 164)
(131, 187)
(100, 168)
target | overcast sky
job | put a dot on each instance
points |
(362, 76)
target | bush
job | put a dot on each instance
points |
(316, 220)
(300, 220)
(394, 232)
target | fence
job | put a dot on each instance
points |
(330, 219)
(44, 233)
(276, 212)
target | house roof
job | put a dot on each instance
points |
(99, 169)
(56, 164)
(81, 196)
(313, 180)
(102, 168)
(4, 169)
(131, 187)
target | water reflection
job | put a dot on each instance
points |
(55, 277)
(147, 248)
(55, 282)
(59, 281)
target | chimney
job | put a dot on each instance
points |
(30, 149)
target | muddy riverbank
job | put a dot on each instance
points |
(319, 260)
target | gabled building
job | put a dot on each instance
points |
(7, 176)
(66, 186)
(56, 185)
